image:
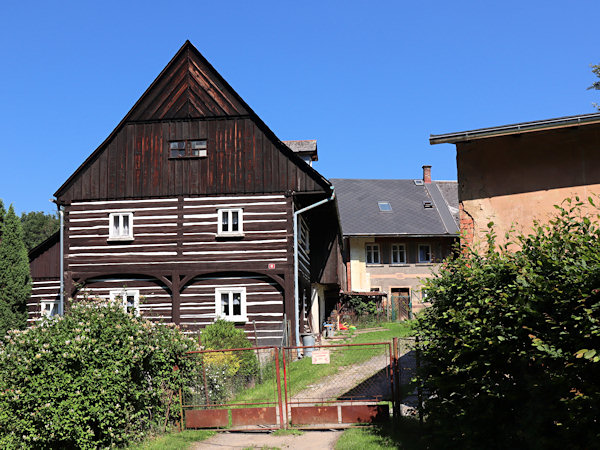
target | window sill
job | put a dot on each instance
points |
(425, 263)
(374, 265)
(400, 265)
(237, 319)
(230, 235)
(120, 239)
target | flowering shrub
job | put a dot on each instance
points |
(96, 377)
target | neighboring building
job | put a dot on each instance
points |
(514, 174)
(185, 213)
(395, 233)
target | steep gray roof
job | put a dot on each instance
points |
(360, 215)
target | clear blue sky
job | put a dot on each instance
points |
(369, 80)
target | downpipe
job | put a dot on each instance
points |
(296, 268)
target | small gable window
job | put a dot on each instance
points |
(188, 149)
(231, 222)
(384, 206)
(121, 226)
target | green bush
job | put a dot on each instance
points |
(223, 334)
(511, 342)
(96, 377)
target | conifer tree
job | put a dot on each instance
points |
(15, 278)
(2, 214)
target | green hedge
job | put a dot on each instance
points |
(512, 342)
(96, 377)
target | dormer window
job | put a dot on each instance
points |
(231, 222)
(121, 226)
(188, 149)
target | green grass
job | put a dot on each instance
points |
(303, 373)
(289, 432)
(406, 435)
(174, 440)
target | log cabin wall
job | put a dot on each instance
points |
(176, 260)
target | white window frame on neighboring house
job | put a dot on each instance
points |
(122, 295)
(117, 231)
(49, 308)
(397, 250)
(229, 315)
(225, 227)
(419, 254)
(370, 251)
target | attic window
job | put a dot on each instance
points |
(418, 182)
(427, 204)
(188, 149)
(384, 206)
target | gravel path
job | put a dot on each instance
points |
(309, 440)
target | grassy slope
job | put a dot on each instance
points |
(406, 435)
(303, 373)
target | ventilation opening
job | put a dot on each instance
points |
(419, 182)
(427, 204)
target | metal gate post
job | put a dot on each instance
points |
(391, 375)
(285, 389)
(397, 381)
(282, 423)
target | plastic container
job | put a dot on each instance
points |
(308, 340)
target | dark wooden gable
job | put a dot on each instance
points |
(189, 100)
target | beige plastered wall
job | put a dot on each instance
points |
(514, 180)
(385, 276)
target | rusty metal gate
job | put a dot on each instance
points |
(269, 387)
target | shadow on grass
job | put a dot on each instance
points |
(405, 435)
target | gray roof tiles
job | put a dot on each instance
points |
(360, 215)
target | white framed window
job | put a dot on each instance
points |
(304, 236)
(398, 254)
(231, 222)
(424, 253)
(129, 299)
(373, 253)
(230, 304)
(121, 226)
(48, 308)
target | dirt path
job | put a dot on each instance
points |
(309, 440)
(347, 378)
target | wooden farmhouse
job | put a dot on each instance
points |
(186, 212)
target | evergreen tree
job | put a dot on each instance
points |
(37, 227)
(2, 214)
(15, 278)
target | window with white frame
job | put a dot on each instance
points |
(372, 251)
(230, 304)
(398, 254)
(129, 299)
(231, 222)
(121, 226)
(49, 308)
(424, 253)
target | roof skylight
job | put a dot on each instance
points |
(384, 206)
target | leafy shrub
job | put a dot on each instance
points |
(96, 377)
(511, 342)
(223, 334)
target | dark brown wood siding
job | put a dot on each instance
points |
(44, 263)
(136, 164)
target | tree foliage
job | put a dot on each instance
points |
(512, 340)
(15, 279)
(596, 84)
(95, 378)
(37, 227)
